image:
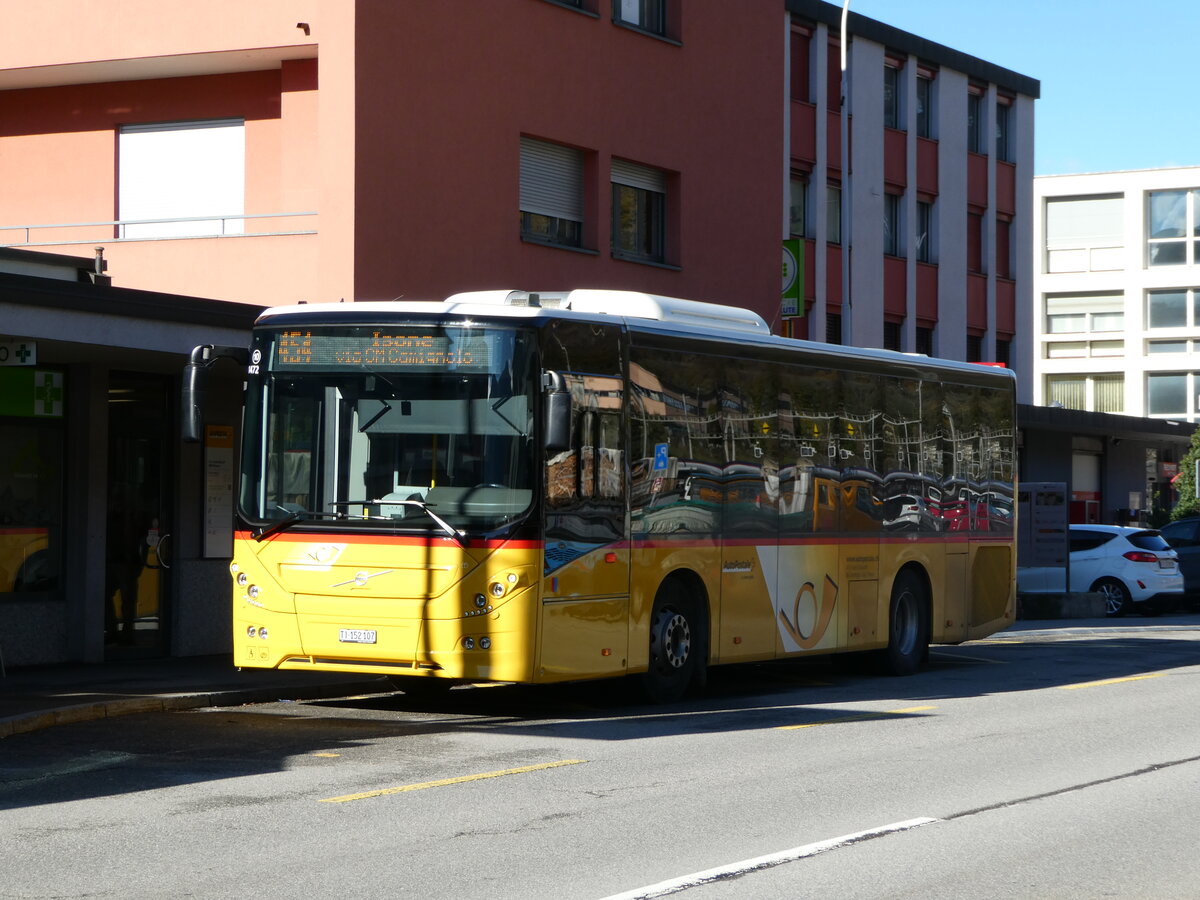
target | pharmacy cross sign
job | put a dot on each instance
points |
(48, 394)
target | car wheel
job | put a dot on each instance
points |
(1116, 596)
(908, 626)
(676, 645)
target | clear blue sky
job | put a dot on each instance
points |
(1116, 77)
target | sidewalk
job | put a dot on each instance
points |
(43, 696)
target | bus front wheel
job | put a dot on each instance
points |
(908, 626)
(677, 645)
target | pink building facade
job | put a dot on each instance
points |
(379, 145)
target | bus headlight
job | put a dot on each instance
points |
(251, 631)
(497, 589)
(252, 592)
(242, 579)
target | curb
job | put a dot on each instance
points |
(107, 709)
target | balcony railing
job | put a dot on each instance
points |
(186, 228)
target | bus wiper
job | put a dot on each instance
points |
(426, 508)
(383, 411)
(291, 519)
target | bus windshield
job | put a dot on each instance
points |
(416, 426)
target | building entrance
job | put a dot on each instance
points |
(140, 513)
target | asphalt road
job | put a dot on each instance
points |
(1044, 764)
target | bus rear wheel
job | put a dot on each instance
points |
(908, 626)
(677, 645)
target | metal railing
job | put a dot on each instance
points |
(151, 229)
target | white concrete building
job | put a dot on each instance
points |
(1117, 292)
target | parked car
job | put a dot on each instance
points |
(1184, 537)
(1134, 568)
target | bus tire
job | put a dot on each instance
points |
(908, 625)
(677, 645)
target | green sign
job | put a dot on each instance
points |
(793, 277)
(31, 392)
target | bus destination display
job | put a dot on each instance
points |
(298, 350)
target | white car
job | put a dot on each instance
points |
(1132, 567)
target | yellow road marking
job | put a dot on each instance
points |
(445, 781)
(860, 718)
(1087, 684)
(327, 755)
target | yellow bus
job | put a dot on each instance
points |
(522, 487)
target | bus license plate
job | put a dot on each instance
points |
(356, 636)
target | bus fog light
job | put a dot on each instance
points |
(469, 643)
(253, 591)
(497, 589)
(485, 643)
(480, 601)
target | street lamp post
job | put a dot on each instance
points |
(847, 310)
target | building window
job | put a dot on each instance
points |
(1084, 234)
(833, 214)
(1180, 346)
(638, 212)
(1003, 248)
(833, 328)
(974, 123)
(798, 207)
(1173, 218)
(1083, 349)
(924, 240)
(975, 243)
(646, 15)
(893, 216)
(551, 193)
(974, 348)
(1080, 315)
(1173, 309)
(833, 76)
(1003, 130)
(924, 106)
(892, 111)
(891, 335)
(31, 478)
(924, 341)
(1004, 352)
(182, 170)
(1167, 394)
(801, 52)
(1095, 393)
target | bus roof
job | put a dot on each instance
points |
(639, 312)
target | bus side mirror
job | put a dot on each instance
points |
(195, 384)
(557, 432)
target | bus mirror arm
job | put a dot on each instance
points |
(195, 384)
(557, 431)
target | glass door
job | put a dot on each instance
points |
(140, 509)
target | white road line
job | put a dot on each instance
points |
(765, 862)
